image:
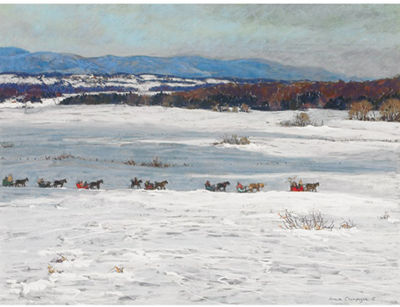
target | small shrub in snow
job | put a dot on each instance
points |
(155, 163)
(52, 270)
(234, 140)
(6, 145)
(312, 221)
(59, 259)
(347, 224)
(245, 108)
(61, 157)
(130, 162)
(118, 269)
(300, 120)
(385, 216)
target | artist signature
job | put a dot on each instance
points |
(359, 300)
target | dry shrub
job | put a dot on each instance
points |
(52, 270)
(385, 216)
(245, 108)
(312, 221)
(300, 120)
(130, 162)
(347, 224)
(118, 269)
(155, 163)
(62, 157)
(234, 140)
(360, 109)
(59, 259)
(390, 110)
(6, 145)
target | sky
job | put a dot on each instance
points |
(356, 40)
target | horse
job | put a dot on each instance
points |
(256, 186)
(136, 182)
(160, 185)
(312, 187)
(95, 184)
(20, 182)
(222, 186)
(59, 183)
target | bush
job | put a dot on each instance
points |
(312, 221)
(6, 145)
(234, 140)
(347, 224)
(360, 109)
(390, 110)
(155, 163)
(300, 120)
(385, 216)
(130, 162)
(245, 108)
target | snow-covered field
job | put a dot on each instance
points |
(185, 245)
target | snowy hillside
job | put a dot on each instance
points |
(143, 84)
(186, 245)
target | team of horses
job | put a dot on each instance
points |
(48, 184)
(137, 183)
(159, 185)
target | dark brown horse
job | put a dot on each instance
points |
(222, 186)
(136, 183)
(312, 187)
(20, 182)
(95, 184)
(59, 183)
(160, 185)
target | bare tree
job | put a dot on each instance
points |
(390, 110)
(360, 109)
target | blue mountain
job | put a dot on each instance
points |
(18, 60)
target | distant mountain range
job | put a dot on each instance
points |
(16, 60)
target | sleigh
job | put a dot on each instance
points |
(149, 186)
(295, 188)
(81, 185)
(7, 183)
(243, 190)
(44, 184)
(211, 188)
